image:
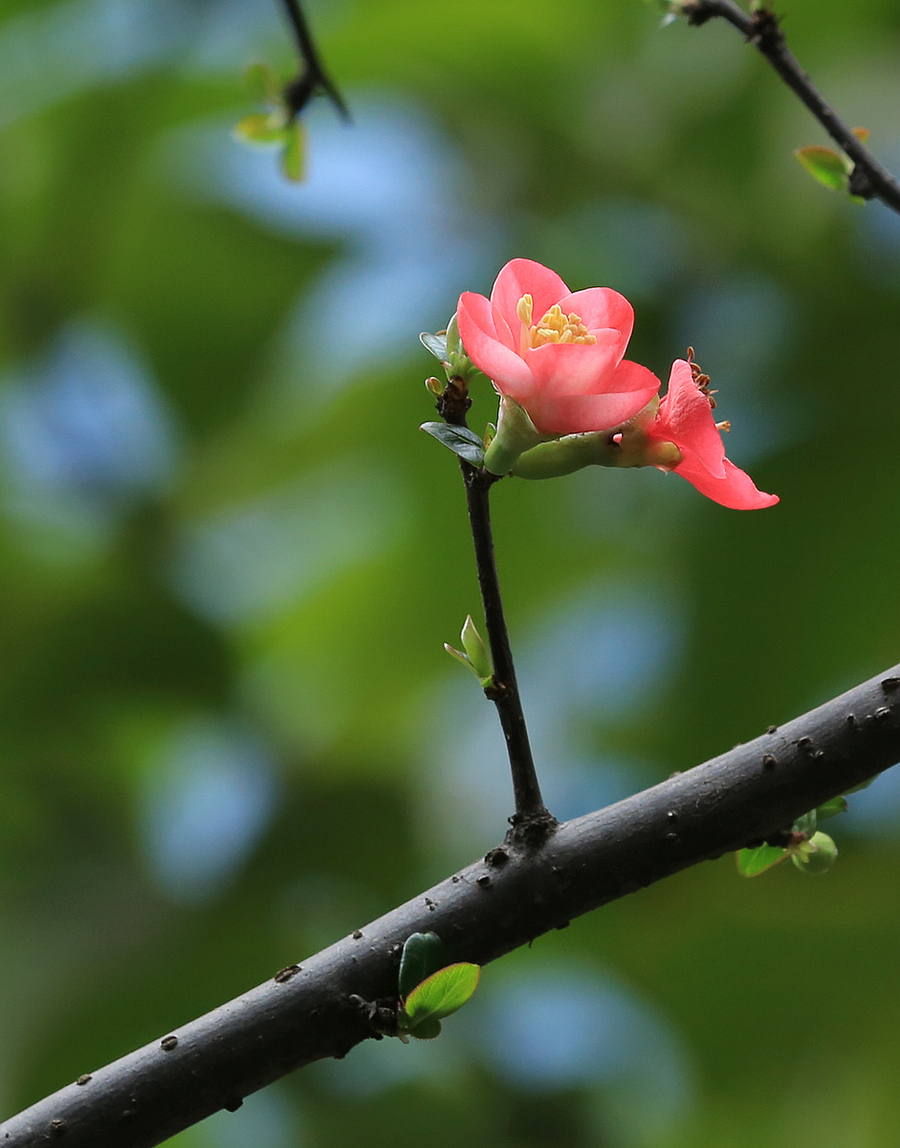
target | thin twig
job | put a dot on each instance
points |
(869, 178)
(313, 78)
(531, 821)
(495, 905)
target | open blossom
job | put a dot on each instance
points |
(684, 418)
(557, 353)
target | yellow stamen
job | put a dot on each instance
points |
(555, 327)
(524, 309)
(726, 426)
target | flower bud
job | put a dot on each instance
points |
(815, 856)
(474, 646)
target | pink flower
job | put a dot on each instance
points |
(685, 419)
(557, 353)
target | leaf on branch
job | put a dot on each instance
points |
(292, 156)
(462, 441)
(751, 862)
(437, 997)
(423, 954)
(263, 83)
(261, 127)
(831, 808)
(825, 165)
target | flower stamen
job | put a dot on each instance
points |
(555, 327)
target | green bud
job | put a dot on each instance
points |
(479, 658)
(815, 856)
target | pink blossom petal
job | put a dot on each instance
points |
(575, 414)
(507, 370)
(507, 337)
(601, 307)
(735, 489)
(573, 368)
(685, 418)
(630, 376)
(525, 277)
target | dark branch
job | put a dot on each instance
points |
(493, 906)
(531, 820)
(313, 78)
(761, 28)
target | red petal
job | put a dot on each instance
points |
(508, 372)
(735, 489)
(685, 418)
(525, 277)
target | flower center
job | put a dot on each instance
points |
(555, 327)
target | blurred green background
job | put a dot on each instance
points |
(228, 558)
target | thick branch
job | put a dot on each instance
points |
(531, 816)
(493, 906)
(869, 178)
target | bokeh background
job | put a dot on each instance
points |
(228, 558)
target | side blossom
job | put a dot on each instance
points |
(677, 433)
(557, 353)
(684, 418)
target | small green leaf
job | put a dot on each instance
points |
(423, 954)
(263, 83)
(441, 994)
(292, 156)
(460, 440)
(428, 1029)
(436, 344)
(863, 784)
(832, 808)
(824, 165)
(261, 127)
(815, 856)
(751, 862)
(806, 824)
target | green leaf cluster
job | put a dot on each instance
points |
(428, 992)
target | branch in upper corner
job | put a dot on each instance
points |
(868, 178)
(313, 78)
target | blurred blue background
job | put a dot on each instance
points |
(229, 559)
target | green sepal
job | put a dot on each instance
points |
(815, 856)
(435, 344)
(292, 156)
(440, 995)
(423, 954)
(751, 862)
(824, 165)
(462, 441)
(831, 808)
